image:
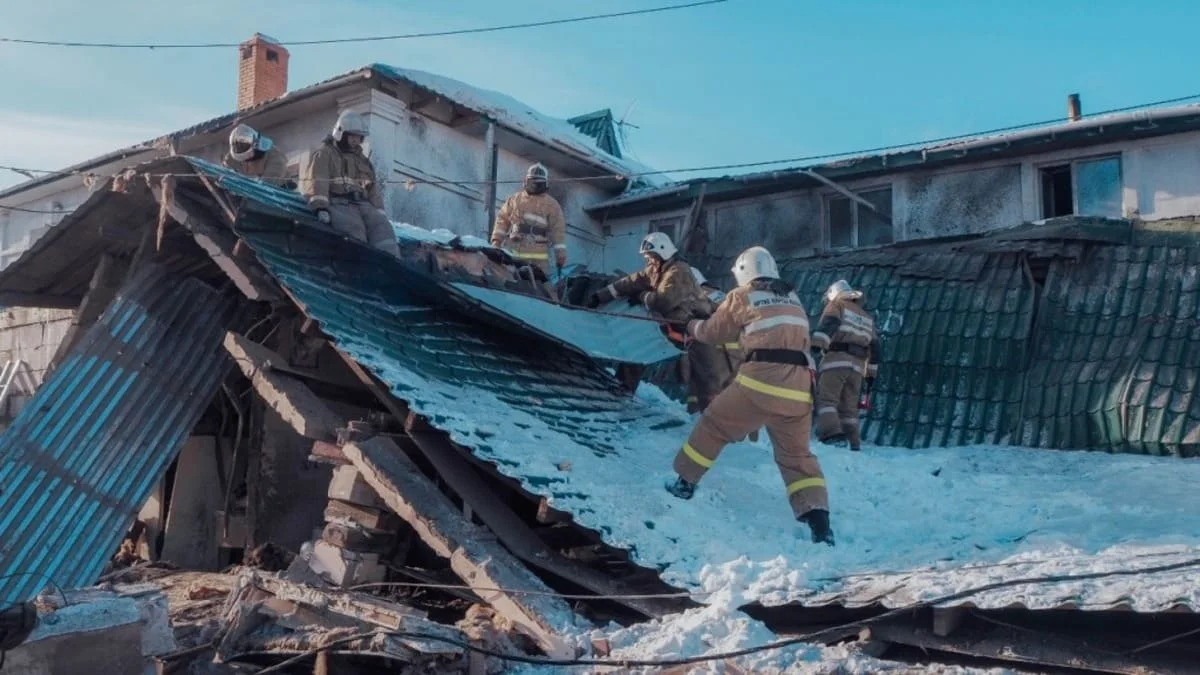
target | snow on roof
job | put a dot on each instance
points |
(512, 113)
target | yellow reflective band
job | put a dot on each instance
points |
(696, 457)
(804, 484)
(732, 345)
(772, 390)
(532, 256)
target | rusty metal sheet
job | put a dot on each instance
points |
(83, 455)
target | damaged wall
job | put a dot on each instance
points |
(31, 335)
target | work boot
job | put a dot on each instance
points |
(818, 521)
(681, 488)
(837, 440)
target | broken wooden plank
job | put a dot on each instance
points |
(520, 538)
(477, 558)
(327, 453)
(289, 397)
(219, 244)
(372, 519)
(516, 535)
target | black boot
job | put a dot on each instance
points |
(681, 488)
(836, 439)
(818, 521)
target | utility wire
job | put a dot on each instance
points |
(48, 173)
(376, 38)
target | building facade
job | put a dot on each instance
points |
(1142, 166)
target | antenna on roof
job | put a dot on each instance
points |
(622, 135)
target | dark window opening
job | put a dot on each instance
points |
(247, 52)
(668, 226)
(1057, 196)
(272, 55)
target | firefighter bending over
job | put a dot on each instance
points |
(773, 388)
(668, 289)
(252, 154)
(847, 336)
(342, 188)
(531, 222)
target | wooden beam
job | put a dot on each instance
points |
(252, 281)
(289, 397)
(489, 175)
(499, 517)
(49, 300)
(845, 192)
(106, 281)
(474, 555)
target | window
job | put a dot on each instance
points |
(852, 224)
(668, 226)
(1090, 187)
(272, 55)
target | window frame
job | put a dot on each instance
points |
(674, 222)
(827, 214)
(1073, 163)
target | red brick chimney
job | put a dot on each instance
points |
(1074, 110)
(262, 71)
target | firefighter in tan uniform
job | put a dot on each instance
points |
(668, 289)
(847, 337)
(252, 154)
(531, 222)
(773, 387)
(730, 352)
(342, 188)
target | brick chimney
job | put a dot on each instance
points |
(262, 71)
(1074, 111)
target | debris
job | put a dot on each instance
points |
(269, 557)
(202, 592)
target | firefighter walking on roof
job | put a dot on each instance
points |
(667, 288)
(531, 223)
(773, 388)
(342, 188)
(847, 337)
(252, 154)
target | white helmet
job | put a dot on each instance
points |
(659, 244)
(349, 122)
(244, 141)
(841, 288)
(755, 262)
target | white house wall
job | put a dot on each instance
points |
(1160, 179)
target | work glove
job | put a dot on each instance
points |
(324, 216)
(636, 299)
(593, 301)
(560, 256)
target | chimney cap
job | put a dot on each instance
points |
(262, 37)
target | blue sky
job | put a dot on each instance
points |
(742, 81)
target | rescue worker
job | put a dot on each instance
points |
(342, 188)
(773, 387)
(531, 222)
(731, 352)
(848, 344)
(252, 154)
(667, 289)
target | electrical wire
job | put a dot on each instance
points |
(484, 589)
(376, 38)
(50, 174)
(832, 632)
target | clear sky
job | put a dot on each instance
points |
(742, 81)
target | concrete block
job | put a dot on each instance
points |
(346, 568)
(348, 485)
(97, 632)
(372, 519)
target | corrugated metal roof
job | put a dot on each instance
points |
(83, 455)
(601, 336)
(1116, 580)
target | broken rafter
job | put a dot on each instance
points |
(846, 192)
(219, 244)
(474, 555)
(106, 280)
(289, 397)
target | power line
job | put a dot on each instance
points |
(50, 174)
(376, 38)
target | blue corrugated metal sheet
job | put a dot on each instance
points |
(83, 455)
(437, 359)
(601, 336)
